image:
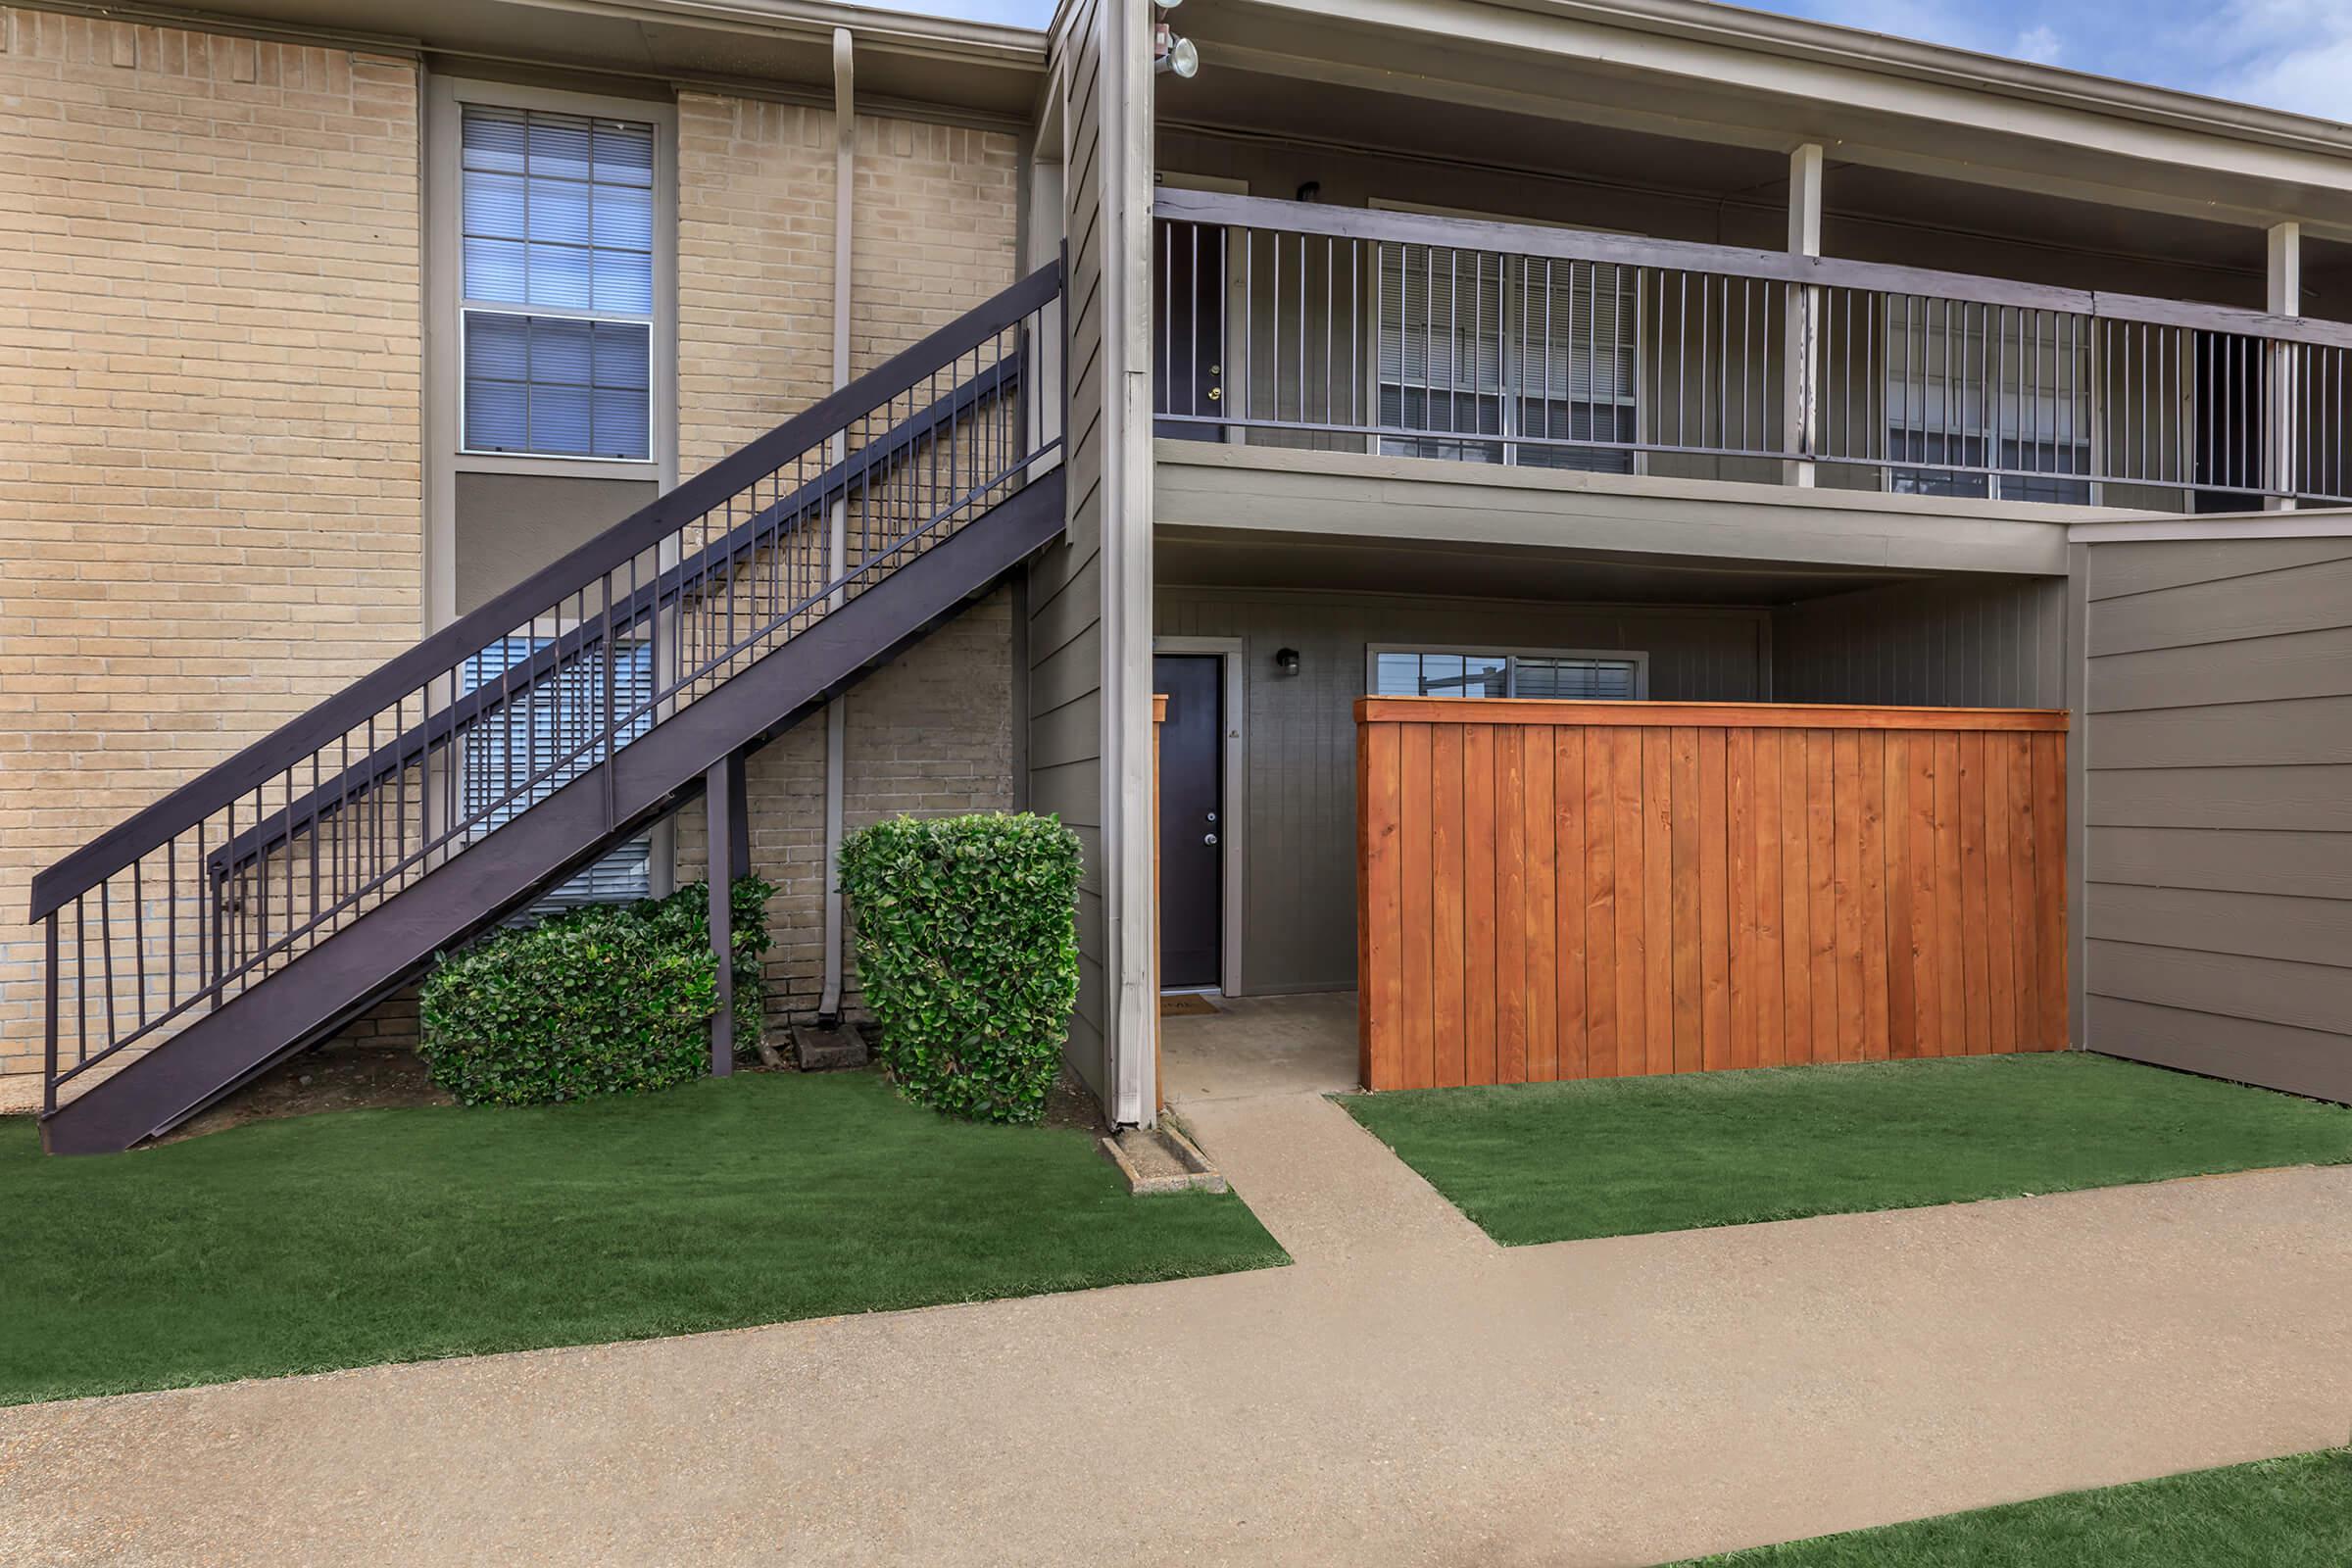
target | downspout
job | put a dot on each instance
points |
(844, 165)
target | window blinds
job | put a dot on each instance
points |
(557, 215)
(552, 727)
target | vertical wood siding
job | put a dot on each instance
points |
(1593, 890)
(2218, 815)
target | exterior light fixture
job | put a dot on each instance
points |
(1172, 53)
(1167, 5)
(1286, 661)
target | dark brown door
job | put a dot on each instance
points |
(1192, 818)
(1188, 338)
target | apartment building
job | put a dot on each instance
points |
(473, 454)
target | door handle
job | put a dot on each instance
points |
(1208, 838)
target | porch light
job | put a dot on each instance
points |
(1286, 661)
(1172, 53)
(1167, 5)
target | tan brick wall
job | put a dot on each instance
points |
(930, 734)
(210, 484)
(934, 225)
(935, 221)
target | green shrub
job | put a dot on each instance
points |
(967, 952)
(606, 999)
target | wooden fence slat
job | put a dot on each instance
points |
(1796, 903)
(1510, 908)
(1543, 900)
(1633, 897)
(1569, 812)
(1417, 1037)
(1772, 1027)
(1871, 767)
(1740, 890)
(1446, 903)
(1951, 973)
(1601, 904)
(1685, 831)
(1926, 920)
(1903, 955)
(1976, 964)
(1845, 805)
(1658, 898)
(2000, 949)
(1540, 836)
(1383, 983)
(1478, 904)
(1820, 869)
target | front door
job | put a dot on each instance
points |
(1188, 346)
(1192, 820)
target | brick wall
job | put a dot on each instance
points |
(934, 225)
(209, 501)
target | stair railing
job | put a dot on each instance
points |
(203, 895)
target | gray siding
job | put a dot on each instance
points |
(1949, 642)
(1063, 590)
(1299, 900)
(2218, 819)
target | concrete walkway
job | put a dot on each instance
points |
(1408, 1392)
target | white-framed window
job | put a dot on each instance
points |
(552, 727)
(1568, 675)
(1476, 343)
(557, 260)
(1974, 387)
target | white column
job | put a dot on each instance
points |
(1799, 402)
(2285, 298)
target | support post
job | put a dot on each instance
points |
(729, 855)
(2285, 298)
(1801, 400)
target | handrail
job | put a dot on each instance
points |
(229, 781)
(1561, 244)
(494, 692)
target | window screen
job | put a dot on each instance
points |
(1570, 677)
(552, 728)
(557, 217)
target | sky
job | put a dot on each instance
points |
(2285, 54)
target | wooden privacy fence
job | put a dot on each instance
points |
(1572, 890)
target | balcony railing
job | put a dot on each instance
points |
(1404, 334)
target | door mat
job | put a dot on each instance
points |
(1184, 1005)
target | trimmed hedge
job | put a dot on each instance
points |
(605, 1000)
(967, 953)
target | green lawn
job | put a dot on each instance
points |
(361, 1237)
(2280, 1513)
(1622, 1157)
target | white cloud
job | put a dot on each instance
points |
(2038, 44)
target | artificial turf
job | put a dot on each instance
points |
(372, 1236)
(2280, 1513)
(1622, 1157)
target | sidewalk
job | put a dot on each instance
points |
(1407, 1394)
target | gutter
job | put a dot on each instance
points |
(837, 712)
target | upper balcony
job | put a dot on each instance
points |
(1409, 334)
(1698, 247)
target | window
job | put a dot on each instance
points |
(1972, 388)
(539, 731)
(1457, 672)
(557, 260)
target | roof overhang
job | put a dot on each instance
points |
(980, 67)
(1716, 74)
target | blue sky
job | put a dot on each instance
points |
(2288, 54)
